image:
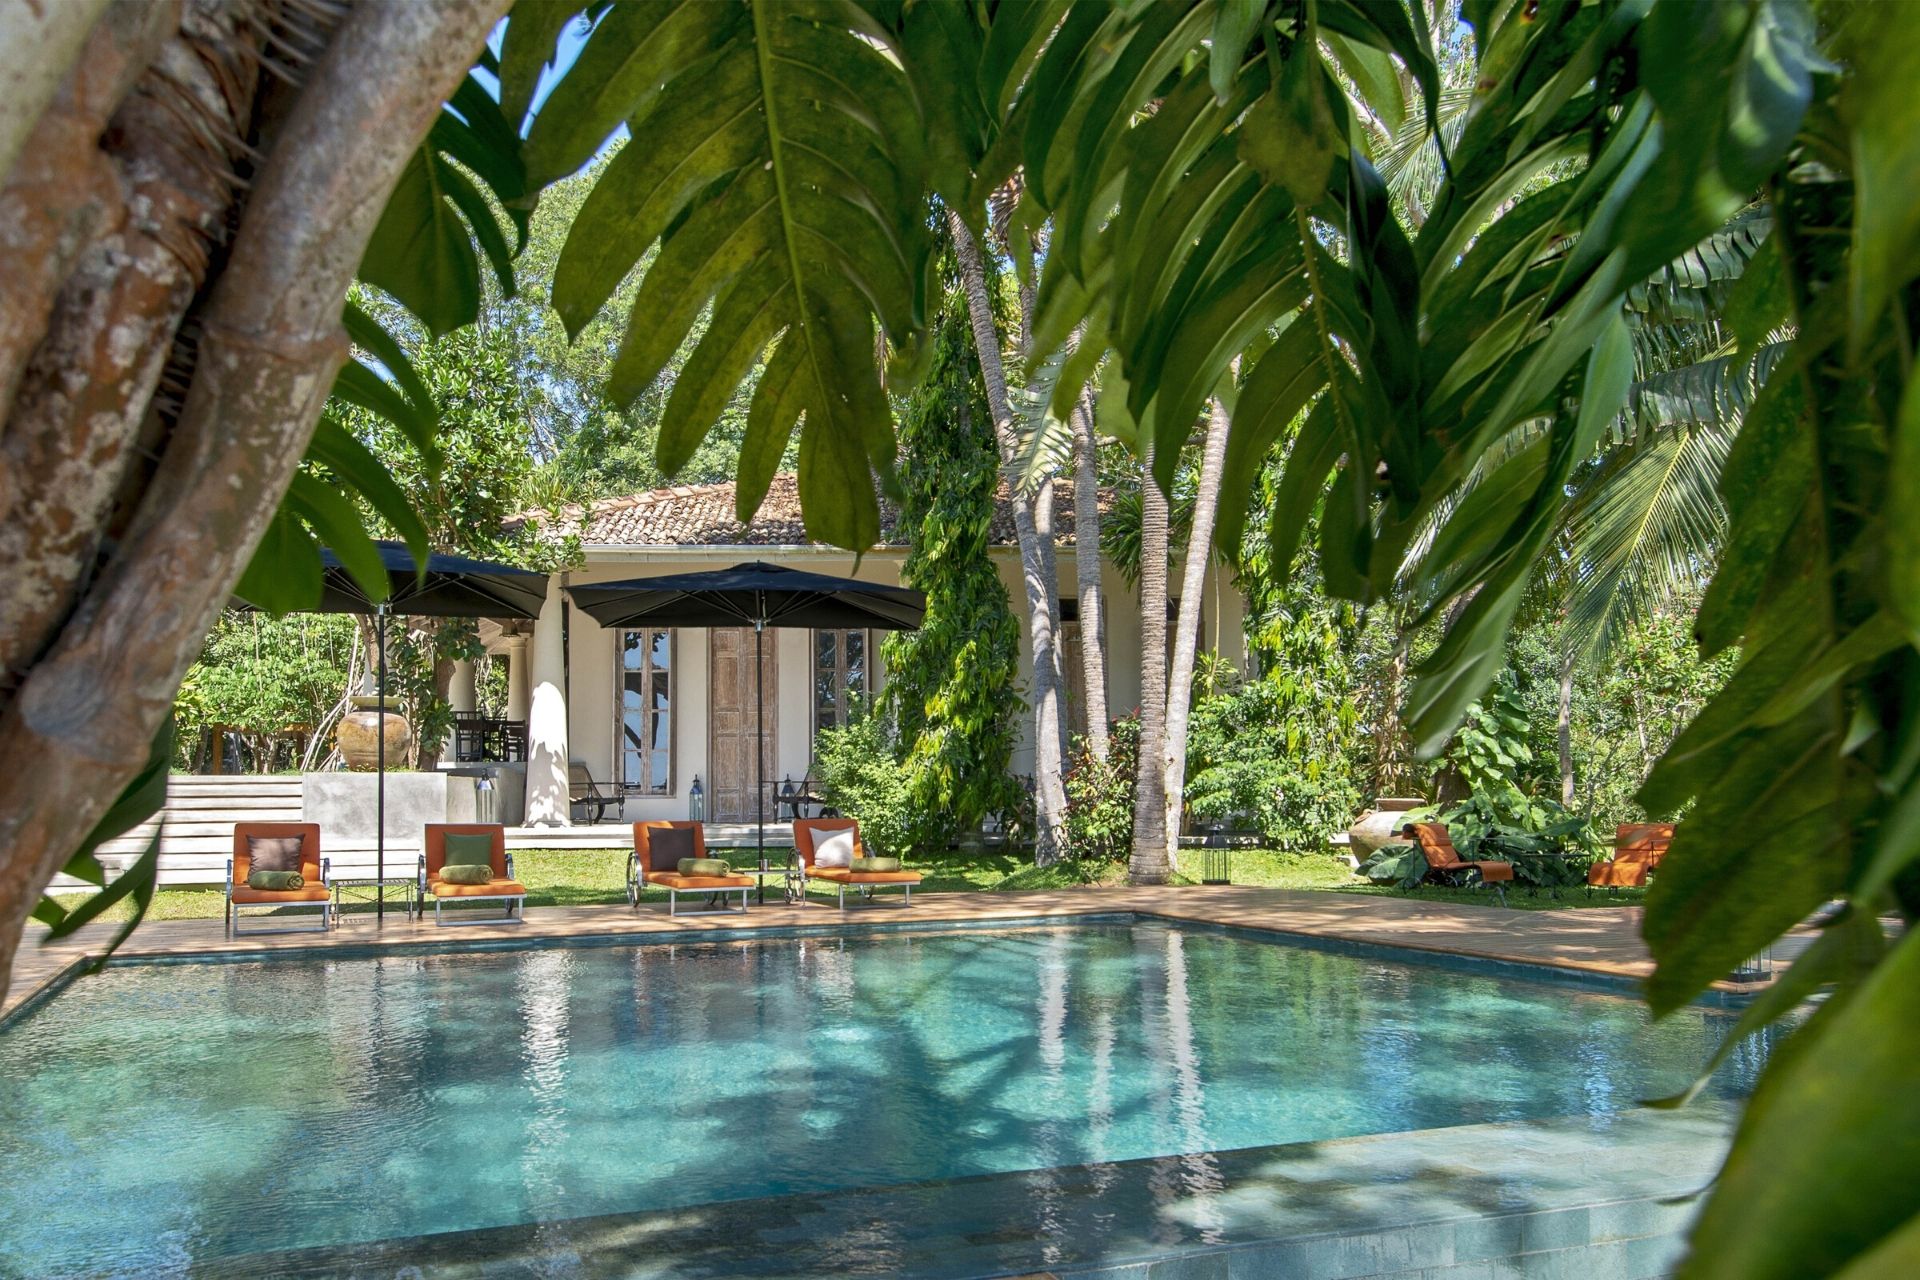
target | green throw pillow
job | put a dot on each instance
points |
(465, 873)
(275, 881)
(875, 864)
(471, 850)
(705, 867)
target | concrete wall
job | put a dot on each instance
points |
(344, 804)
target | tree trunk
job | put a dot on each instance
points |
(1148, 863)
(1086, 564)
(1186, 641)
(61, 190)
(269, 342)
(1036, 560)
(1565, 729)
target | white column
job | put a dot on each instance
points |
(519, 685)
(461, 694)
(547, 720)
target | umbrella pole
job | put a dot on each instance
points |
(759, 743)
(380, 777)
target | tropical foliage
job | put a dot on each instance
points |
(951, 685)
(1100, 793)
(1210, 175)
(862, 778)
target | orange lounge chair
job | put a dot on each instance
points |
(1637, 850)
(661, 869)
(314, 870)
(807, 830)
(503, 888)
(1444, 864)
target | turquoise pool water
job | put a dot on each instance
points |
(156, 1115)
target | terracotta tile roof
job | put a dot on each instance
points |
(702, 515)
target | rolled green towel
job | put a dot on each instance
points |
(276, 881)
(705, 867)
(465, 873)
(874, 864)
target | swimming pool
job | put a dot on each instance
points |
(161, 1114)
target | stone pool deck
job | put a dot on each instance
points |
(1603, 941)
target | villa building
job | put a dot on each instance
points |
(650, 711)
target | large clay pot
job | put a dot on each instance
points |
(358, 736)
(1380, 825)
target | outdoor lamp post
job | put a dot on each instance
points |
(696, 801)
(1214, 859)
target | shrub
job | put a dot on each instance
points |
(1271, 757)
(1100, 794)
(860, 776)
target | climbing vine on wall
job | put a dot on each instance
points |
(951, 684)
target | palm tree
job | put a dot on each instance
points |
(1148, 863)
(1087, 569)
(1036, 561)
(1199, 556)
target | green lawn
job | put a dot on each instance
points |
(586, 877)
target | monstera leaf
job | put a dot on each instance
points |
(775, 164)
(443, 218)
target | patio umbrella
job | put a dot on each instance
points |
(449, 586)
(757, 595)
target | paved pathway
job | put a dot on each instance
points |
(1603, 940)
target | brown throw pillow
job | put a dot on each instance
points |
(667, 845)
(274, 853)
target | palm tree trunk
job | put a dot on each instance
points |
(1148, 863)
(1036, 563)
(1086, 563)
(1186, 639)
(1565, 729)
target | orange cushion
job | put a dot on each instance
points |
(828, 873)
(492, 889)
(1491, 871)
(312, 893)
(884, 877)
(1616, 874)
(674, 880)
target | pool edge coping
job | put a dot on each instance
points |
(1720, 994)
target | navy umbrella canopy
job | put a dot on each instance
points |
(756, 595)
(449, 587)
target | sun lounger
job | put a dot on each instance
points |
(807, 832)
(584, 794)
(1445, 865)
(1637, 850)
(659, 867)
(313, 869)
(501, 887)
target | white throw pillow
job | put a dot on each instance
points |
(835, 850)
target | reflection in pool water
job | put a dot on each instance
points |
(159, 1114)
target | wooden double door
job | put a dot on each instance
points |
(732, 702)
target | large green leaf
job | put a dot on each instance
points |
(1837, 1115)
(781, 187)
(423, 249)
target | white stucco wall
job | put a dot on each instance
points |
(591, 713)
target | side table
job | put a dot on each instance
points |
(373, 889)
(782, 872)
